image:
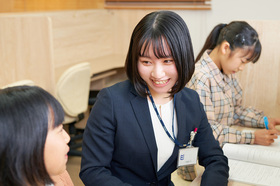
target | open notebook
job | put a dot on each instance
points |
(254, 164)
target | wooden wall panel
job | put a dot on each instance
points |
(26, 50)
(48, 5)
(75, 36)
(123, 25)
(6, 6)
(80, 36)
(261, 81)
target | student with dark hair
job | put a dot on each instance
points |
(227, 50)
(33, 144)
(138, 128)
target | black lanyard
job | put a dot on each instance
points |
(162, 123)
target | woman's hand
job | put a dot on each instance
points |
(272, 124)
(265, 137)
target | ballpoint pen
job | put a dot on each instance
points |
(265, 122)
(193, 133)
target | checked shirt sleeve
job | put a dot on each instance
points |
(245, 116)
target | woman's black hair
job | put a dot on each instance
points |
(26, 114)
(154, 29)
(239, 34)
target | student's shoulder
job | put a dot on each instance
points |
(201, 77)
(202, 72)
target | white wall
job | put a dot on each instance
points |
(201, 22)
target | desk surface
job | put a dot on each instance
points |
(178, 181)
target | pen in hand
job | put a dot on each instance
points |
(265, 136)
(265, 122)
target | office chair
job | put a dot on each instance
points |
(20, 82)
(72, 91)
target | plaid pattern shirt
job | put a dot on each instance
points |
(221, 96)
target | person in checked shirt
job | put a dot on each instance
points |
(228, 48)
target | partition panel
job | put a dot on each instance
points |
(261, 81)
(26, 50)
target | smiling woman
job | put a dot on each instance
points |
(158, 71)
(134, 145)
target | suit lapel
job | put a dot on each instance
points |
(142, 114)
(181, 113)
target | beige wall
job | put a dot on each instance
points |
(261, 81)
(26, 50)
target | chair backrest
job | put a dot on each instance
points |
(72, 89)
(21, 82)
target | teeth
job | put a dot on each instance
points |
(160, 82)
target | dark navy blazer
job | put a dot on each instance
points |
(119, 146)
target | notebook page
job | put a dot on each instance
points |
(252, 173)
(266, 155)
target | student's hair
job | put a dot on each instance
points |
(26, 114)
(151, 30)
(239, 34)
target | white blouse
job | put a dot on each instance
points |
(164, 144)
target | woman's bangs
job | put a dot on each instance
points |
(144, 48)
(159, 48)
(56, 116)
(255, 53)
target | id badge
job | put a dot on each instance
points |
(187, 156)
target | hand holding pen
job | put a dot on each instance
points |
(273, 123)
(266, 136)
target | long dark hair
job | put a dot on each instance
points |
(26, 114)
(152, 29)
(238, 34)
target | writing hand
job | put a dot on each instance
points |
(265, 137)
(273, 122)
